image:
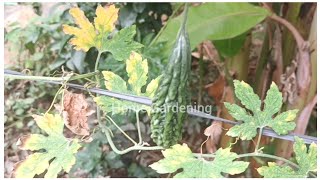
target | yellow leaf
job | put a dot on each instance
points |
(89, 35)
(106, 17)
(84, 37)
(137, 70)
(152, 87)
(114, 82)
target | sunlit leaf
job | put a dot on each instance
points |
(307, 162)
(253, 117)
(58, 149)
(181, 157)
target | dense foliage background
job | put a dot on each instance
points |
(35, 44)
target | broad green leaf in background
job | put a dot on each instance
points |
(57, 148)
(137, 70)
(230, 47)
(307, 162)
(258, 118)
(122, 44)
(215, 21)
(98, 34)
(181, 157)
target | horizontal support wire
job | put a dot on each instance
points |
(193, 112)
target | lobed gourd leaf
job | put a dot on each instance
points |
(122, 44)
(181, 157)
(137, 70)
(98, 34)
(306, 160)
(253, 117)
(58, 149)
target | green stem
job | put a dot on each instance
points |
(43, 78)
(255, 154)
(58, 92)
(125, 134)
(132, 148)
(201, 74)
(138, 127)
(259, 139)
(96, 68)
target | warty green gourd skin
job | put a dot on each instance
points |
(169, 105)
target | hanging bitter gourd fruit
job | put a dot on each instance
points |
(169, 105)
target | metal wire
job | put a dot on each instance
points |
(193, 112)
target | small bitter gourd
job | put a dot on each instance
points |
(169, 105)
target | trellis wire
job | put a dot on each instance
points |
(193, 112)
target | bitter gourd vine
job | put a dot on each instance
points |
(171, 98)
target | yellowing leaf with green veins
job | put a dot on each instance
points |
(99, 34)
(254, 117)
(181, 157)
(306, 160)
(137, 69)
(104, 22)
(114, 82)
(56, 148)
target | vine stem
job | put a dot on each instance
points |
(125, 134)
(43, 78)
(58, 92)
(132, 148)
(259, 139)
(256, 154)
(138, 127)
(96, 68)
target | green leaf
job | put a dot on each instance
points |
(307, 162)
(181, 157)
(57, 148)
(248, 98)
(254, 117)
(230, 47)
(273, 101)
(122, 44)
(137, 70)
(215, 21)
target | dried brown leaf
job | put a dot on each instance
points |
(289, 83)
(214, 132)
(216, 89)
(75, 112)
